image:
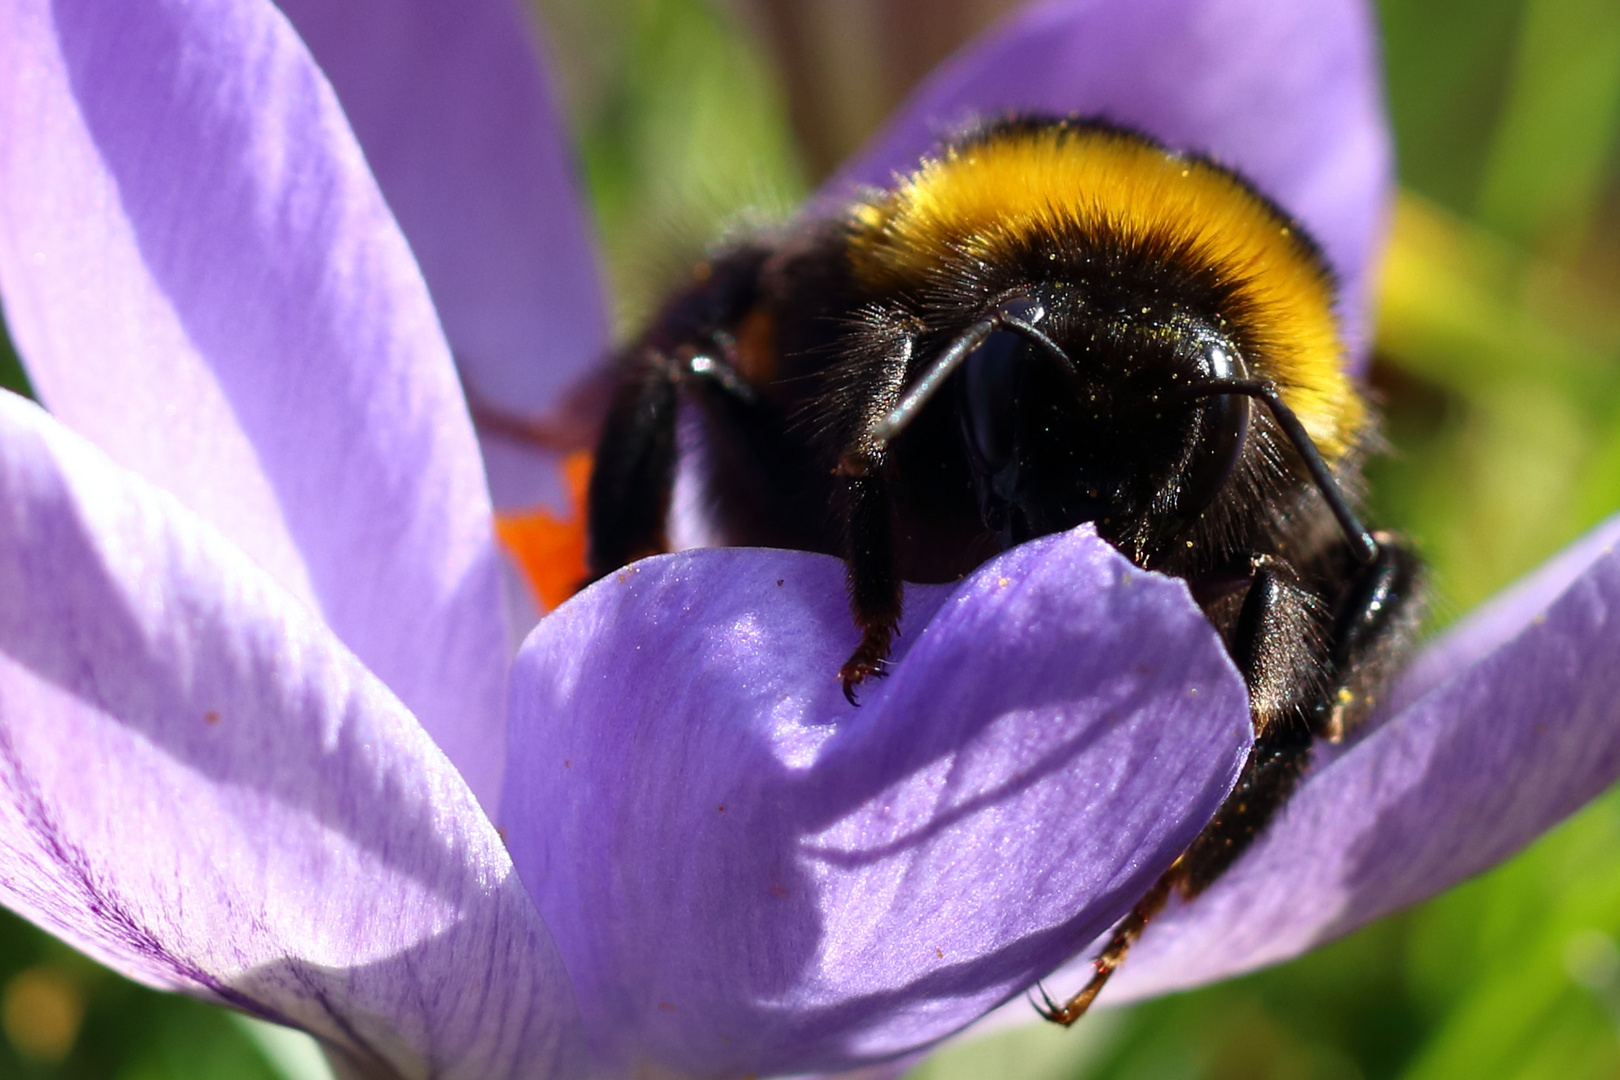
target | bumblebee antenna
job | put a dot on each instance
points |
(1018, 316)
(1362, 543)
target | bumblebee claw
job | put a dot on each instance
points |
(867, 663)
(856, 672)
(1045, 1008)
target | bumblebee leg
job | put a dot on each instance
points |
(1269, 776)
(874, 587)
(875, 590)
(1296, 677)
(1303, 683)
(1113, 954)
(1377, 618)
(1276, 643)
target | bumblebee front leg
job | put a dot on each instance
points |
(875, 589)
(882, 356)
(1377, 618)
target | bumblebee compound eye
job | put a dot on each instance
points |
(991, 381)
(992, 377)
(1219, 425)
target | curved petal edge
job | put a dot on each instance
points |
(204, 280)
(748, 875)
(201, 787)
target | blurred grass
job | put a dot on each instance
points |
(12, 375)
(680, 129)
(1499, 371)
(67, 1018)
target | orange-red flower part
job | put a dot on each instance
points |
(551, 550)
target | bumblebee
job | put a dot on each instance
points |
(1050, 322)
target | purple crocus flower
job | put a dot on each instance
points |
(259, 712)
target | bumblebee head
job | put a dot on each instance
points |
(1109, 312)
(1072, 414)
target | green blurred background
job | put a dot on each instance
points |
(1499, 370)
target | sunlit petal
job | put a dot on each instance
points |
(203, 278)
(746, 874)
(458, 124)
(202, 788)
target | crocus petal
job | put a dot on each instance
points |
(203, 279)
(747, 875)
(202, 788)
(462, 133)
(1288, 93)
(1468, 773)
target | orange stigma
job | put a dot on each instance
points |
(551, 550)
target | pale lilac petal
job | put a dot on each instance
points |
(747, 875)
(1475, 768)
(1499, 619)
(203, 278)
(202, 788)
(1288, 93)
(461, 130)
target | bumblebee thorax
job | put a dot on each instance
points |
(1108, 217)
